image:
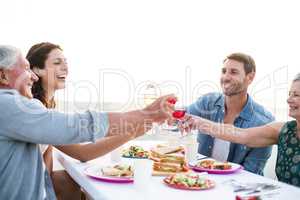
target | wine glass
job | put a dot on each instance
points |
(150, 95)
(178, 113)
(180, 110)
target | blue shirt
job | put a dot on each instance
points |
(25, 123)
(212, 106)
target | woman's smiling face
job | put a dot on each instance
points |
(55, 72)
(294, 100)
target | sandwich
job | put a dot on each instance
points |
(166, 161)
(168, 158)
(169, 167)
(222, 165)
(213, 164)
(162, 149)
(207, 163)
(120, 170)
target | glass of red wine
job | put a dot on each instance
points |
(179, 112)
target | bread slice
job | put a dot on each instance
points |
(222, 165)
(167, 149)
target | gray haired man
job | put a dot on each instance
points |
(25, 123)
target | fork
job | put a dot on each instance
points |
(264, 187)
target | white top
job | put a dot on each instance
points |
(220, 150)
(43, 148)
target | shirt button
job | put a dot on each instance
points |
(209, 147)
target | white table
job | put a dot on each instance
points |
(159, 191)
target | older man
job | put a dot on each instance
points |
(233, 106)
(25, 123)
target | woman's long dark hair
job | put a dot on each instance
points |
(37, 55)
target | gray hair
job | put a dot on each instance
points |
(297, 77)
(8, 56)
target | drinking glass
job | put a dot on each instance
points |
(142, 173)
(150, 95)
(116, 154)
(178, 114)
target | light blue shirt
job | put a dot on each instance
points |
(212, 106)
(25, 123)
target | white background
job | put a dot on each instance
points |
(158, 40)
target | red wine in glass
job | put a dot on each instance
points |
(179, 113)
(172, 101)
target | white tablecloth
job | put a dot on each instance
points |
(158, 190)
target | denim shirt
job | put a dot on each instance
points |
(212, 106)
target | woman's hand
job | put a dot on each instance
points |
(188, 123)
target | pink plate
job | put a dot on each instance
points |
(95, 172)
(235, 167)
(210, 184)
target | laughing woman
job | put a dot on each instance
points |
(285, 135)
(49, 64)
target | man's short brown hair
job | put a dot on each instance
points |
(249, 64)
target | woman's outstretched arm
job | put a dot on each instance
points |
(261, 136)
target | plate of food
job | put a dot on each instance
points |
(119, 173)
(135, 151)
(190, 181)
(214, 167)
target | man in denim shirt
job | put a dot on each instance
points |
(235, 107)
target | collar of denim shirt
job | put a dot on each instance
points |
(247, 111)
